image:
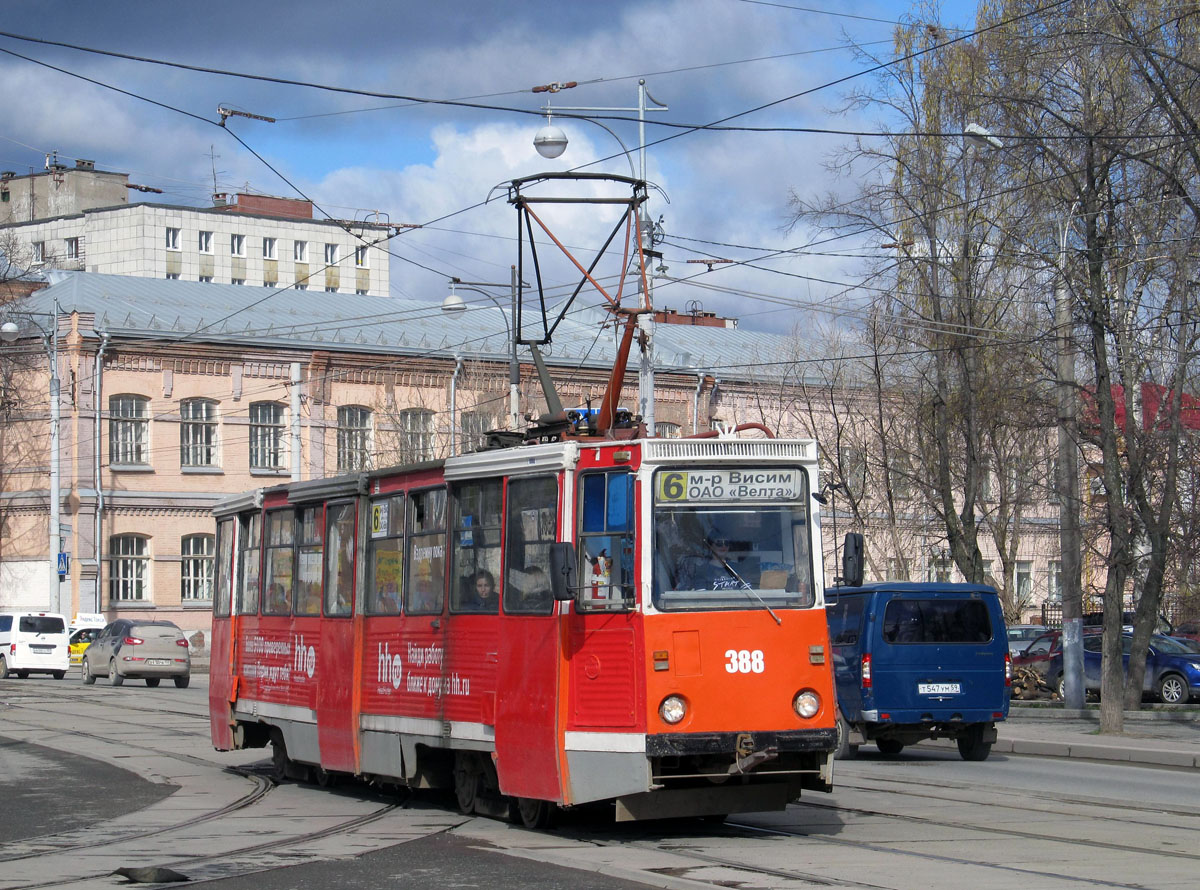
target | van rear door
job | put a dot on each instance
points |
(940, 656)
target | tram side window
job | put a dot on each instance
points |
(426, 588)
(532, 523)
(224, 568)
(251, 536)
(280, 562)
(308, 575)
(606, 541)
(339, 559)
(475, 564)
(385, 562)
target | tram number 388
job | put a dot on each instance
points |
(744, 661)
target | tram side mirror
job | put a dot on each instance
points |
(852, 560)
(562, 570)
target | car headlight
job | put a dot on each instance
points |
(806, 703)
(673, 709)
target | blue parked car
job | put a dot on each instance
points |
(918, 661)
(1172, 672)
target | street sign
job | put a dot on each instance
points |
(64, 565)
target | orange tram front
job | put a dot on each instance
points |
(634, 622)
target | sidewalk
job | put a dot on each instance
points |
(1151, 736)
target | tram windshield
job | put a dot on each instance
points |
(726, 539)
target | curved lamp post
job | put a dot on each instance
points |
(454, 304)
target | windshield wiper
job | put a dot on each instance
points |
(746, 586)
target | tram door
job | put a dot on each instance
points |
(530, 647)
(220, 684)
(337, 721)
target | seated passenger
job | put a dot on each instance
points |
(482, 595)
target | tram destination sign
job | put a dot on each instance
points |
(701, 486)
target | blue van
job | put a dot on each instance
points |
(918, 661)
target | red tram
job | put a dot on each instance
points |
(638, 621)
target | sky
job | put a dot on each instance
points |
(718, 194)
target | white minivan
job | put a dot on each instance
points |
(33, 643)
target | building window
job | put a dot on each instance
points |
(237, 280)
(39, 251)
(666, 430)
(172, 239)
(197, 554)
(237, 245)
(128, 430)
(266, 436)
(1024, 583)
(300, 285)
(129, 569)
(362, 291)
(270, 284)
(205, 242)
(206, 279)
(360, 257)
(416, 432)
(475, 426)
(1054, 581)
(172, 276)
(72, 248)
(353, 438)
(198, 433)
(300, 251)
(940, 568)
(331, 254)
(331, 290)
(268, 248)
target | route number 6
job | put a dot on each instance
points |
(744, 661)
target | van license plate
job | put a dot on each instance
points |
(158, 661)
(41, 650)
(939, 688)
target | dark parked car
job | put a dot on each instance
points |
(1172, 672)
(131, 649)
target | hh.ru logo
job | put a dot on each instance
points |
(390, 667)
(304, 660)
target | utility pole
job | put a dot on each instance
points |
(1067, 486)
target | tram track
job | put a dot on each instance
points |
(98, 842)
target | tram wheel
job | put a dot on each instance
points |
(535, 814)
(324, 777)
(467, 776)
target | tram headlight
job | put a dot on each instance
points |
(673, 709)
(806, 703)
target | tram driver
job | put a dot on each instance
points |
(714, 569)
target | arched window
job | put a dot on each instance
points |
(416, 434)
(198, 433)
(665, 430)
(266, 436)
(353, 438)
(196, 554)
(128, 430)
(129, 568)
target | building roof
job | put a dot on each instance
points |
(166, 311)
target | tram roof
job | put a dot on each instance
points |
(160, 311)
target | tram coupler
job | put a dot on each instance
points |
(752, 761)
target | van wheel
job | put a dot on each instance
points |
(58, 675)
(971, 745)
(3, 668)
(844, 750)
(152, 681)
(114, 676)
(890, 747)
(85, 673)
